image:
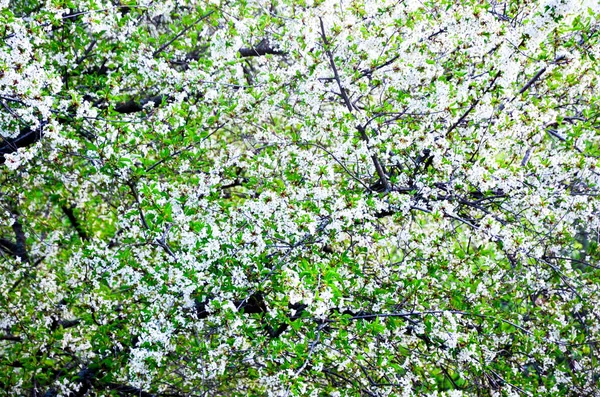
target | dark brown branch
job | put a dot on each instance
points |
(68, 211)
(21, 240)
(139, 205)
(133, 106)
(334, 68)
(530, 82)
(462, 118)
(378, 168)
(8, 246)
(162, 242)
(363, 133)
(27, 137)
(12, 338)
(86, 52)
(64, 324)
(465, 114)
(253, 304)
(263, 48)
(370, 71)
(90, 381)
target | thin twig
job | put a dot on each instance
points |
(339, 162)
(134, 192)
(465, 114)
(168, 43)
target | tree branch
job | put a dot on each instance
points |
(21, 240)
(465, 114)
(8, 246)
(27, 137)
(134, 192)
(178, 35)
(133, 106)
(530, 82)
(12, 338)
(263, 48)
(68, 211)
(363, 133)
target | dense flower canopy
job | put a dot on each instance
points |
(299, 198)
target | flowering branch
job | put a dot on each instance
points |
(361, 129)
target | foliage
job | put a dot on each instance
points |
(316, 197)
